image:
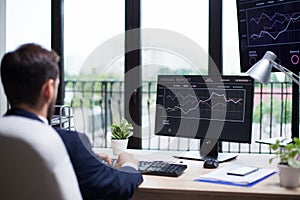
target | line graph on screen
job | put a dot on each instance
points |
(273, 24)
(220, 105)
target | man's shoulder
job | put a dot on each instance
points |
(61, 130)
(64, 133)
(69, 135)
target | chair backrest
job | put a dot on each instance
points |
(34, 163)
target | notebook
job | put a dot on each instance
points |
(221, 176)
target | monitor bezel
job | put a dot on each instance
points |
(222, 138)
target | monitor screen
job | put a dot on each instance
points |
(269, 26)
(194, 106)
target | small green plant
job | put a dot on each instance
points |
(122, 130)
(289, 154)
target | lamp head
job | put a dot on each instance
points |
(261, 70)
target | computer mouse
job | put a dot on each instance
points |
(211, 163)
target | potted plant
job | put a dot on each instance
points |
(289, 165)
(119, 136)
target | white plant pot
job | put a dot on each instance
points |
(288, 176)
(119, 146)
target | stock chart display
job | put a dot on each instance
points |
(188, 106)
(269, 26)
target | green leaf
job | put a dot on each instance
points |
(287, 154)
(297, 141)
(122, 130)
(294, 163)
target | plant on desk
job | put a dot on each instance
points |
(119, 136)
(289, 165)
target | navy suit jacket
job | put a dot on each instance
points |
(96, 180)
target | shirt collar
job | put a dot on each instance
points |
(43, 119)
(24, 113)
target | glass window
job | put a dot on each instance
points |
(94, 59)
(3, 102)
(28, 21)
(24, 22)
(88, 24)
(174, 41)
(181, 27)
(231, 56)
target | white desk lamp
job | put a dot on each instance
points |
(261, 72)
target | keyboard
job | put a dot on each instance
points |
(159, 168)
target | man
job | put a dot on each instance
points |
(30, 78)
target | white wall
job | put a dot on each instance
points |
(3, 102)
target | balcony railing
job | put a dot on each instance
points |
(96, 104)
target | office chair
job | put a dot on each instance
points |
(34, 162)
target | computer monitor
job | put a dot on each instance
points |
(269, 26)
(211, 108)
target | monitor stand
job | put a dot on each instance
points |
(208, 150)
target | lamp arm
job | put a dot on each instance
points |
(287, 72)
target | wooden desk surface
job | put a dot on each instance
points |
(185, 188)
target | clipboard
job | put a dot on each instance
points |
(220, 176)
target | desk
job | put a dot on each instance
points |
(184, 188)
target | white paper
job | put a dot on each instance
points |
(220, 175)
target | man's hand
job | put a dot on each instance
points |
(126, 158)
(105, 158)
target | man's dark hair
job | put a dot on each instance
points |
(25, 70)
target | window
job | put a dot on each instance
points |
(231, 56)
(88, 24)
(23, 22)
(174, 41)
(3, 101)
(93, 53)
(182, 21)
(28, 21)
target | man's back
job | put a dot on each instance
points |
(96, 179)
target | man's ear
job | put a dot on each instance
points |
(48, 90)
